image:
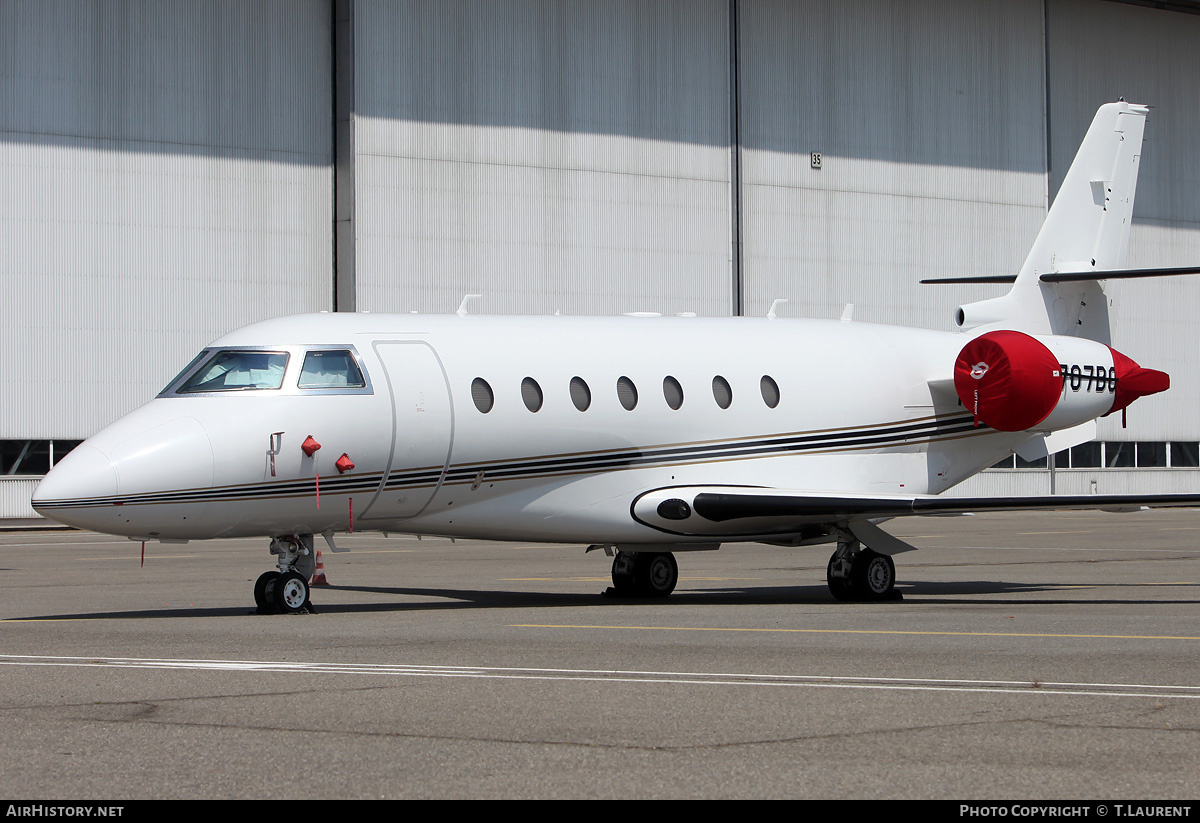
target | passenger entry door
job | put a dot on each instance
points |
(422, 429)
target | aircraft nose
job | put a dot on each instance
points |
(78, 491)
(130, 478)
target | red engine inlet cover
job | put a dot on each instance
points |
(1008, 380)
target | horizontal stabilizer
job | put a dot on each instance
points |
(983, 278)
(1122, 274)
(1071, 276)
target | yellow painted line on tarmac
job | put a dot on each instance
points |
(855, 631)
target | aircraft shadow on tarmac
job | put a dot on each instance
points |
(955, 593)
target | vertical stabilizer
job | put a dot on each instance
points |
(1086, 230)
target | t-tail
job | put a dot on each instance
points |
(1086, 234)
(1058, 296)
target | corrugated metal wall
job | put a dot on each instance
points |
(15, 494)
(1096, 53)
(929, 118)
(165, 170)
(550, 156)
(1020, 482)
(1099, 52)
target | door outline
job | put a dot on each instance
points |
(387, 377)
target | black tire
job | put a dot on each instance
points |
(874, 575)
(623, 574)
(264, 592)
(841, 588)
(656, 573)
(291, 593)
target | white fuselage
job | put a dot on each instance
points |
(855, 414)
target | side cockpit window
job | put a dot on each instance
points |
(237, 371)
(332, 369)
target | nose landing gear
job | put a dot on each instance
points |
(286, 591)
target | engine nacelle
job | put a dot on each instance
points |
(1012, 381)
(983, 312)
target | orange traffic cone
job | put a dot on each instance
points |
(318, 578)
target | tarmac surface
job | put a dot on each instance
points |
(1032, 656)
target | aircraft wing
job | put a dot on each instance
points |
(739, 512)
(723, 507)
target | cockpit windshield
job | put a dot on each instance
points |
(237, 371)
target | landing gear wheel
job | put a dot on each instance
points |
(264, 592)
(840, 587)
(655, 574)
(622, 574)
(873, 575)
(291, 593)
(870, 576)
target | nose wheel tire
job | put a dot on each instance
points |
(264, 592)
(291, 593)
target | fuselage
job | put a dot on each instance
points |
(529, 428)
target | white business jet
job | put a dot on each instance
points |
(641, 435)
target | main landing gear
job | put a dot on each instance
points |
(644, 574)
(857, 573)
(286, 591)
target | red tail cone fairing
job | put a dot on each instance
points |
(1012, 381)
(1133, 381)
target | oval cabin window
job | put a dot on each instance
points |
(581, 395)
(481, 393)
(531, 393)
(770, 391)
(627, 393)
(721, 392)
(672, 392)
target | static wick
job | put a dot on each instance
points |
(143, 554)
